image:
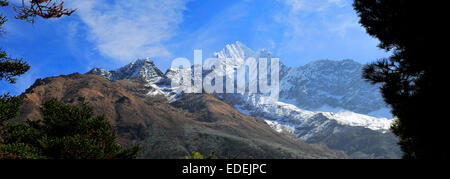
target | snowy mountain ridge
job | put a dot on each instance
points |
(145, 70)
(306, 95)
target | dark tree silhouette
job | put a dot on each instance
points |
(412, 77)
(43, 8)
(9, 69)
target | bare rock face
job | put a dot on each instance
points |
(200, 122)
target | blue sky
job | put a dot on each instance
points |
(111, 33)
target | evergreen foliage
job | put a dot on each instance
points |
(197, 155)
(66, 132)
(412, 77)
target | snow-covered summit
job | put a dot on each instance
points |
(142, 69)
(235, 51)
(326, 85)
(234, 55)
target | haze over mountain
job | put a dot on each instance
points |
(324, 85)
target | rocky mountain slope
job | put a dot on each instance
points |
(200, 122)
(343, 110)
(331, 86)
(338, 100)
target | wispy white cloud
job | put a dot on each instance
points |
(315, 26)
(124, 30)
(344, 24)
(25, 81)
(323, 12)
(212, 35)
(309, 6)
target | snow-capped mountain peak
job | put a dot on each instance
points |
(238, 51)
(235, 51)
(141, 69)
